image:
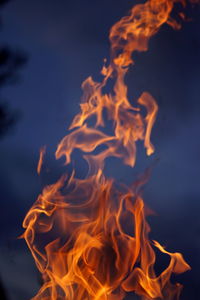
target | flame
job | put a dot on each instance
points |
(89, 237)
(41, 159)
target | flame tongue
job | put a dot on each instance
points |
(89, 237)
(103, 248)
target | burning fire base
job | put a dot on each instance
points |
(89, 237)
(88, 251)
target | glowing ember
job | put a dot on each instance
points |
(89, 237)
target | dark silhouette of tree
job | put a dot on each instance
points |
(10, 62)
(2, 292)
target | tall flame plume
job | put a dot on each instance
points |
(89, 237)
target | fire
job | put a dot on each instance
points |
(41, 159)
(89, 237)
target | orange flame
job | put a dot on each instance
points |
(41, 159)
(89, 237)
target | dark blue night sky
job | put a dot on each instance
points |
(66, 41)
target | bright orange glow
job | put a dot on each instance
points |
(41, 159)
(89, 237)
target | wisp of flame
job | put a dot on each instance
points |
(89, 236)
